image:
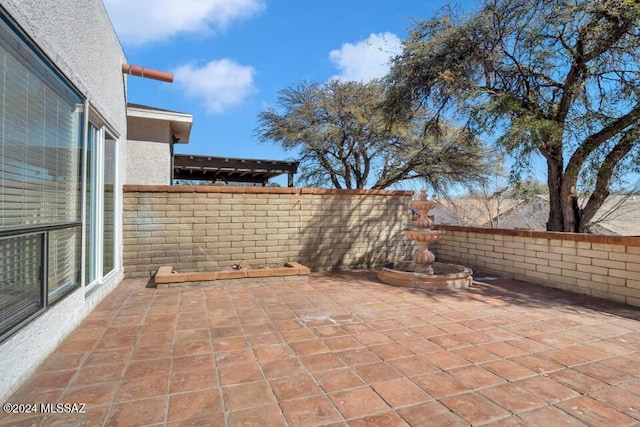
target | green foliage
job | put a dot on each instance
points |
(527, 188)
(345, 141)
(557, 78)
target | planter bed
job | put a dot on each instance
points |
(167, 277)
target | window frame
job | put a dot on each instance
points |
(94, 121)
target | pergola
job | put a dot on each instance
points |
(227, 169)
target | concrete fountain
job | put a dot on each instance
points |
(422, 271)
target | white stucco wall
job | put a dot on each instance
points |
(77, 36)
(148, 151)
(149, 163)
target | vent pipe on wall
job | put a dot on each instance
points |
(136, 70)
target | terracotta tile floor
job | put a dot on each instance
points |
(343, 349)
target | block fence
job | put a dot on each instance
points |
(201, 228)
(602, 266)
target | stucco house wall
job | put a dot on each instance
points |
(152, 132)
(149, 163)
(77, 36)
(148, 151)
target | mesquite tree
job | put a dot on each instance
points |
(343, 139)
(559, 78)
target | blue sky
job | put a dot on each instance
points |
(231, 57)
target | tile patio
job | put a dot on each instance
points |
(343, 349)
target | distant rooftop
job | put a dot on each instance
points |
(619, 214)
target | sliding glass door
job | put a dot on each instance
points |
(91, 208)
(100, 206)
(109, 204)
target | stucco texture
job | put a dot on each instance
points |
(148, 163)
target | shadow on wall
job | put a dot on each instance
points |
(207, 228)
(359, 230)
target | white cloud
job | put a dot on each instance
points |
(219, 84)
(142, 21)
(367, 59)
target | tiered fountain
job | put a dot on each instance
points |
(422, 271)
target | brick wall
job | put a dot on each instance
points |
(603, 266)
(197, 228)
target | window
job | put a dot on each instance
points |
(40, 182)
(20, 279)
(65, 257)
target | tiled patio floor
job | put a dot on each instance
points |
(343, 349)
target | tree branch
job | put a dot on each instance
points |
(592, 142)
(578, 71)
(603, 181)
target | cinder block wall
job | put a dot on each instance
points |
(603, 266)
(198, 228)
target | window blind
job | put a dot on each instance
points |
(64, 258)
(40, 142)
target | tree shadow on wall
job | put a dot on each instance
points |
(348, 230)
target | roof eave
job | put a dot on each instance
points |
(179, 123)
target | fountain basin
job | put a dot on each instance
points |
(423, 205)
(446, 276)
(423, 236)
